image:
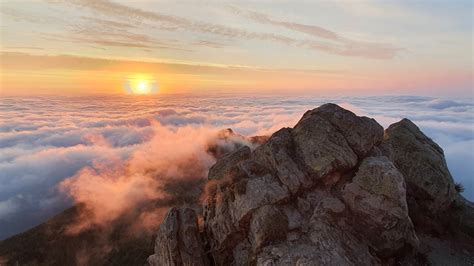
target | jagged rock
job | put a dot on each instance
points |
(227, 141)
(178, 241)
(333, 190)
(277, 153)
(361, 133)
(230, 208)
(377, 194)
(229, 161)
(330, 137)
(268, 224)
(321, 147)
(422, 163)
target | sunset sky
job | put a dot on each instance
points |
(356, 47)
(99, 96)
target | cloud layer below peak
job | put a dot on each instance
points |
(44, 141)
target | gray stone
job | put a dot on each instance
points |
(178, 241)
(361, 133)
(377, 195)
(277, 154)
(331, 138)
(268, 224)
(225, 164)
(422, 163)
(321, 147)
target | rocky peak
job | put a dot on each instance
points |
(332, 190)
(430, 186)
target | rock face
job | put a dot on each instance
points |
(332, 190)
(226, 163)
(377, 187)
(422, 163)
(431, 193)
(179, 241)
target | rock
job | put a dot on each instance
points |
(277, 153)
(229, 210)
(361, 133)
(227, 162)
(336, 244)
(228, 141)
(259, 191)
(462, 216)
(333, 190)
(441, 252)
(330, 137)
(268, 224)
(377, 195)
(321, 147)
(422, 163)
(178, 241)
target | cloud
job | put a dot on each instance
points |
(120, 12)
(15, 60)
(443, 104)
(343, 46)
(111, 147)
(153, 173)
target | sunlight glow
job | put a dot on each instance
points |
(141, 85)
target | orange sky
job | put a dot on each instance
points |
(361, 47)
(31, 74)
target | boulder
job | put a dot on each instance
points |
(229, 210)
(377, 196)
(277, 153)
(224, 165)
(330, 137)
(321, 147)
(268, 224)
(422, 163)
(178, 241)
(361, 133)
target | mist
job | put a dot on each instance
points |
(123, 156)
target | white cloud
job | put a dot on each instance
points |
(46, 140)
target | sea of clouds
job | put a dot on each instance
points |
(100, 150)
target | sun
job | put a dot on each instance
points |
(141, 85)
(142, 88)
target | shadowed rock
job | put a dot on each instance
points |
(377, 194)
(422, 163)
(278, 154)
(178, 241)
(226, 163)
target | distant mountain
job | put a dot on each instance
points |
(336, 189)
